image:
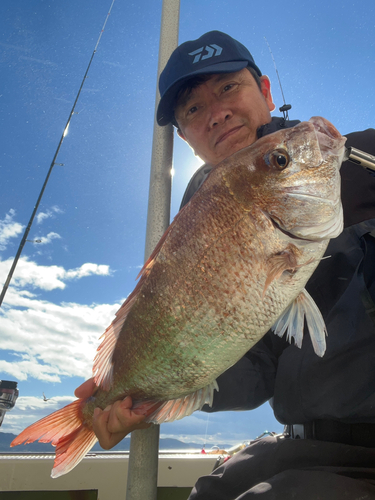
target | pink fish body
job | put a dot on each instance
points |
(232, 265)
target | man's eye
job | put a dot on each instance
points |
(192, 110)
(228, 87)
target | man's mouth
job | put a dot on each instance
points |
(228, 133)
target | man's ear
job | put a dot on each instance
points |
(180, 134)
(266, 91)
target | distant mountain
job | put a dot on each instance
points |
(7, 438)
(124, 445)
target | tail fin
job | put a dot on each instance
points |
(64, 429)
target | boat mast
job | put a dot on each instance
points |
(144, 444)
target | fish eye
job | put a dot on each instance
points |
(279, 159)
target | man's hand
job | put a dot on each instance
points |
(116, 421)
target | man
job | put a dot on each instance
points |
(216, 96)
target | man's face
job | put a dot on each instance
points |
(222, 115)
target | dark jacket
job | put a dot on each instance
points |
(300, 385)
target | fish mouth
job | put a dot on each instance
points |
(325, 127)
(331, 142)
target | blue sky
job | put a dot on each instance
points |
(92, 218)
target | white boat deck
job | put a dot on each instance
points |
(104, 472)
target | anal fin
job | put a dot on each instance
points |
(292, 320)
(159, 412)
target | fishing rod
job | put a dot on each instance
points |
(354, 155)
(53, 163)
(285, 107)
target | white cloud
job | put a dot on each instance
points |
(9, 229)
(29, 409)
(87, 270)
(29, 367)
(44, 240)
(49, 341)
(29, 273)
(50, 212)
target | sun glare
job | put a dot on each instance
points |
(66, 130)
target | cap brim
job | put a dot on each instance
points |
(165, 111)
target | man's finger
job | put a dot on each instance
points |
(121, 417)
(86, 389)
(115, 422)
(107, 440)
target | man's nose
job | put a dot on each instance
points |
(219, 113)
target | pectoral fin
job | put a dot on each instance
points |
(278, 263)
(293, 320)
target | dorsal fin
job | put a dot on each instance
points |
(103, 366)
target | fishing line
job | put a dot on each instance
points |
(286, 107)
(53, 163)
(205, 437)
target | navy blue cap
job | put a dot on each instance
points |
(212, 53)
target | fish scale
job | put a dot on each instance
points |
(209, 314)
(233, 264)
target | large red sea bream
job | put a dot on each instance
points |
(232, 265)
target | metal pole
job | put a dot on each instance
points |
(144, 444)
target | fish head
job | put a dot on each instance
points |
(293, 176)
